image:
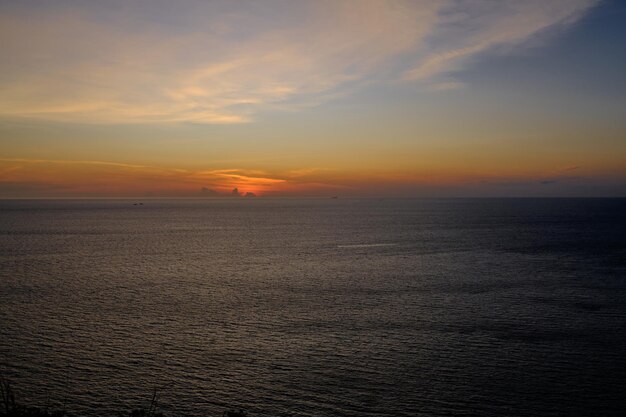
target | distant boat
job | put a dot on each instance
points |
(334, 197)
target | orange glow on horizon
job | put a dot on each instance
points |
(59, 178)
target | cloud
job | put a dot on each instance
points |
(470, 28)
(40, 178)
(48, 178)
(207, 192)
(69, 162)
(224, 63)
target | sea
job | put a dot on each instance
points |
(315, 307)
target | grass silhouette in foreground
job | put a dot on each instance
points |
(10, 408)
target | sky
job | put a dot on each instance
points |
(313, 98)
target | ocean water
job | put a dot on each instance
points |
(485, 307)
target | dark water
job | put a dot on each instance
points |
(317, 307)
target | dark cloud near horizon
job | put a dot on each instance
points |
(209, 192)
(574, 186)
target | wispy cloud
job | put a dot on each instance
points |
(22, 177)
(71, 162)
(469, 28)
(103, 178)
(225, 62)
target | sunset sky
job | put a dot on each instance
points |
(380, 98)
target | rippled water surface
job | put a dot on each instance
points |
(316, 307)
